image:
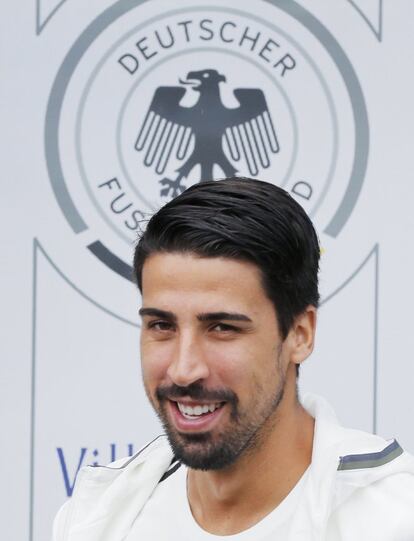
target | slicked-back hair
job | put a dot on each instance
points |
(246, 220)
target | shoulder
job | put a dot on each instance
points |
(123, 485)
(376, 495)
(381, 511)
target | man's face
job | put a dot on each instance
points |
(213, 360)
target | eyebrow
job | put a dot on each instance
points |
(227, 316)
(156, 312)
(207, 316)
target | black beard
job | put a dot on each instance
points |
(208, 451)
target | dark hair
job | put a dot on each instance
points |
(248, 220)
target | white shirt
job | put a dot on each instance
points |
(167, 516)
(372, 503)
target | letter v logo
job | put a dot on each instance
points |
(69, 484)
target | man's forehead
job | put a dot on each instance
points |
(191, 272)
(191, 287)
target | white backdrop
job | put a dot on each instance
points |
(78, 80)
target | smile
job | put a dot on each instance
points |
(192, 412)
(195, 417)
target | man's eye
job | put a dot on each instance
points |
(160, 325)
(222, 327)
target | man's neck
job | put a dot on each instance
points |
(228, 501)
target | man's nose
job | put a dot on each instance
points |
(189, 364)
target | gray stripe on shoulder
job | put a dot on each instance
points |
(371, 460)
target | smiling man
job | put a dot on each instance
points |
(216, 367)
(228, 273)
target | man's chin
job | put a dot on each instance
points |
(190, 439)
(188, 445)
(199, 452)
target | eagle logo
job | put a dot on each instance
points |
(207, 133)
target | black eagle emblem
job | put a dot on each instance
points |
(208, 133)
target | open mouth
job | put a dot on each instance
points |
(194, 412)
(195, 416)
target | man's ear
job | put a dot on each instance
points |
(302, 335)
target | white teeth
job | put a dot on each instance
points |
(196, 411)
